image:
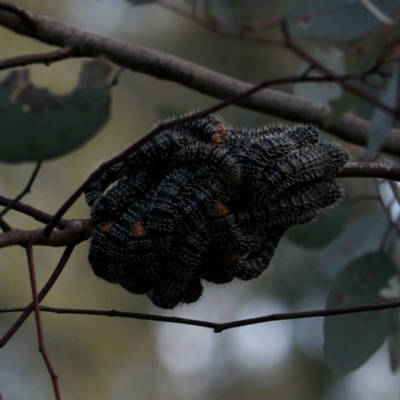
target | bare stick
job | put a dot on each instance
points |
(347, 86)
(33, 212)
(42, 347)
(49, 284)
(370, 170)
(44, 58)
(217, 327)
(75, 232)
(4, 226)
(25, 191)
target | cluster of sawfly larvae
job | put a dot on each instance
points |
(205, 202)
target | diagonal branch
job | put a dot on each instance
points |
(193, 76)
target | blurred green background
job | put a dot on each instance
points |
(110, 358)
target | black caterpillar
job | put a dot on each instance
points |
(206, 202)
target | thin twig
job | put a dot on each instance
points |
(217, 327)
(75, 232)
(49, 284)
(26, 190)
(115, 79)
(350, 88)
(42, 346)
(32, 212)
(4, 226)
(44, 58)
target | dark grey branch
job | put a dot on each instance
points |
(203, 80)
(217, 327)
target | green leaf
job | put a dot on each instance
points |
(323, 229)
(351, 339)
(357, 238)
(381, 120)
(333, 20)
(322, 92)
(37, 124)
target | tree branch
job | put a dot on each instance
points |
(75, 232)
(370, 170)
(203, 80)
(39, 328)
(46, 288)
(33, 212)
(44, 58)
(217, 327)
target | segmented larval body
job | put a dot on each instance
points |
(205, 202)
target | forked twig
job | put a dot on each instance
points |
(49, 284)
(42, 347)
(26, 190)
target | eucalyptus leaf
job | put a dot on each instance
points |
(37, 124)
(359, 237)
(351, 339)
(334, 20)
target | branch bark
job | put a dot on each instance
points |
(167, 67)
(75, 231)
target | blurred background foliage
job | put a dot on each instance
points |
(110, 358)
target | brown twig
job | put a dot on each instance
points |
(42, 347)
(387, 171)
(49, 284)
(350, 88)
(217, 327)
(32, 212)
(74, 232)
(44, 58)
(4, 226)
(26, 190)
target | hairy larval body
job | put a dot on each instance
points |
(206, 202)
